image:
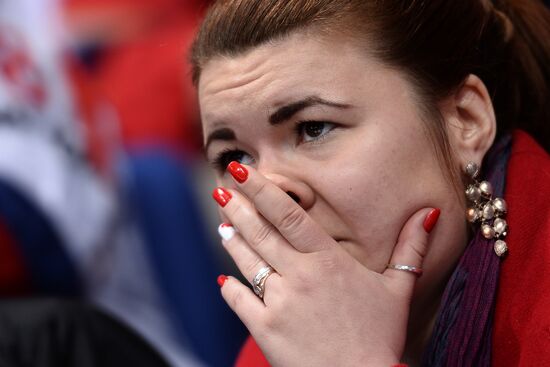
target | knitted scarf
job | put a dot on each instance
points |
(463, 330)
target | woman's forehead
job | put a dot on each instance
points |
(299, 53)
(274, 73)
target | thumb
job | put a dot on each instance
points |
(411, 247)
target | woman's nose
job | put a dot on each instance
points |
(297, 189)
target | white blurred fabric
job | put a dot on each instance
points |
(42, 153)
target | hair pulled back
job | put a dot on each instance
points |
(436, 43)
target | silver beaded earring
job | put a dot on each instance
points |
(486, 210)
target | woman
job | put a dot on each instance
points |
(344, 134)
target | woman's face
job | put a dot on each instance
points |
(341, 133)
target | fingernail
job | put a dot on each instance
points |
(222, 196)
(431, 220)
(226, 231)
(221, 280)
(238, 171)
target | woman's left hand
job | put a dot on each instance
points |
(321, 307)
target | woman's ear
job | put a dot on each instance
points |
(471, 121)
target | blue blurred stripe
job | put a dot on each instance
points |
(52, 272)
(162, 195)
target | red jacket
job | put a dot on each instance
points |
(521, 332)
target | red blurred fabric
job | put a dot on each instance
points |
(142, 72)
(147, 81)
(251, 355)
(152, 3)
(14, 280)
(521, 333)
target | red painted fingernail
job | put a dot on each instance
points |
(221, 280)
(431, 220)
(238, 171)
(222, 196)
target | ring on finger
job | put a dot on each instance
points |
(258, 283)
(412, 269)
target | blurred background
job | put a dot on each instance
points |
(104, 192)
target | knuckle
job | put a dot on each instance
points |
(291, 219)
(259, 191)
(418, 250)
(329, 261)
(262, 235)
(305, 280)
(237, 211)
(240, 211)
(301, 279)
(304, 284)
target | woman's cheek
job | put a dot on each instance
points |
(372, 234)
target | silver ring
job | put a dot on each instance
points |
(411, 269)
(259, 280)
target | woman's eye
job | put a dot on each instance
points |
(313, 130)
(227, 156)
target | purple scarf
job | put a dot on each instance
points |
(463, 331)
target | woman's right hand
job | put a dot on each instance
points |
(321, 307)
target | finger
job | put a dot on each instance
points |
(411, 247)
(248, 307)
(246, 259)
(256, 231)
(290, 219)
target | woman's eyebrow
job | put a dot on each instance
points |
(220, 134)
(285, 112)
(281, 115)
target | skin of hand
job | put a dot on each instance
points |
(343, 134)
(319, 290)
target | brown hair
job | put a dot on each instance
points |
(436, 43)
